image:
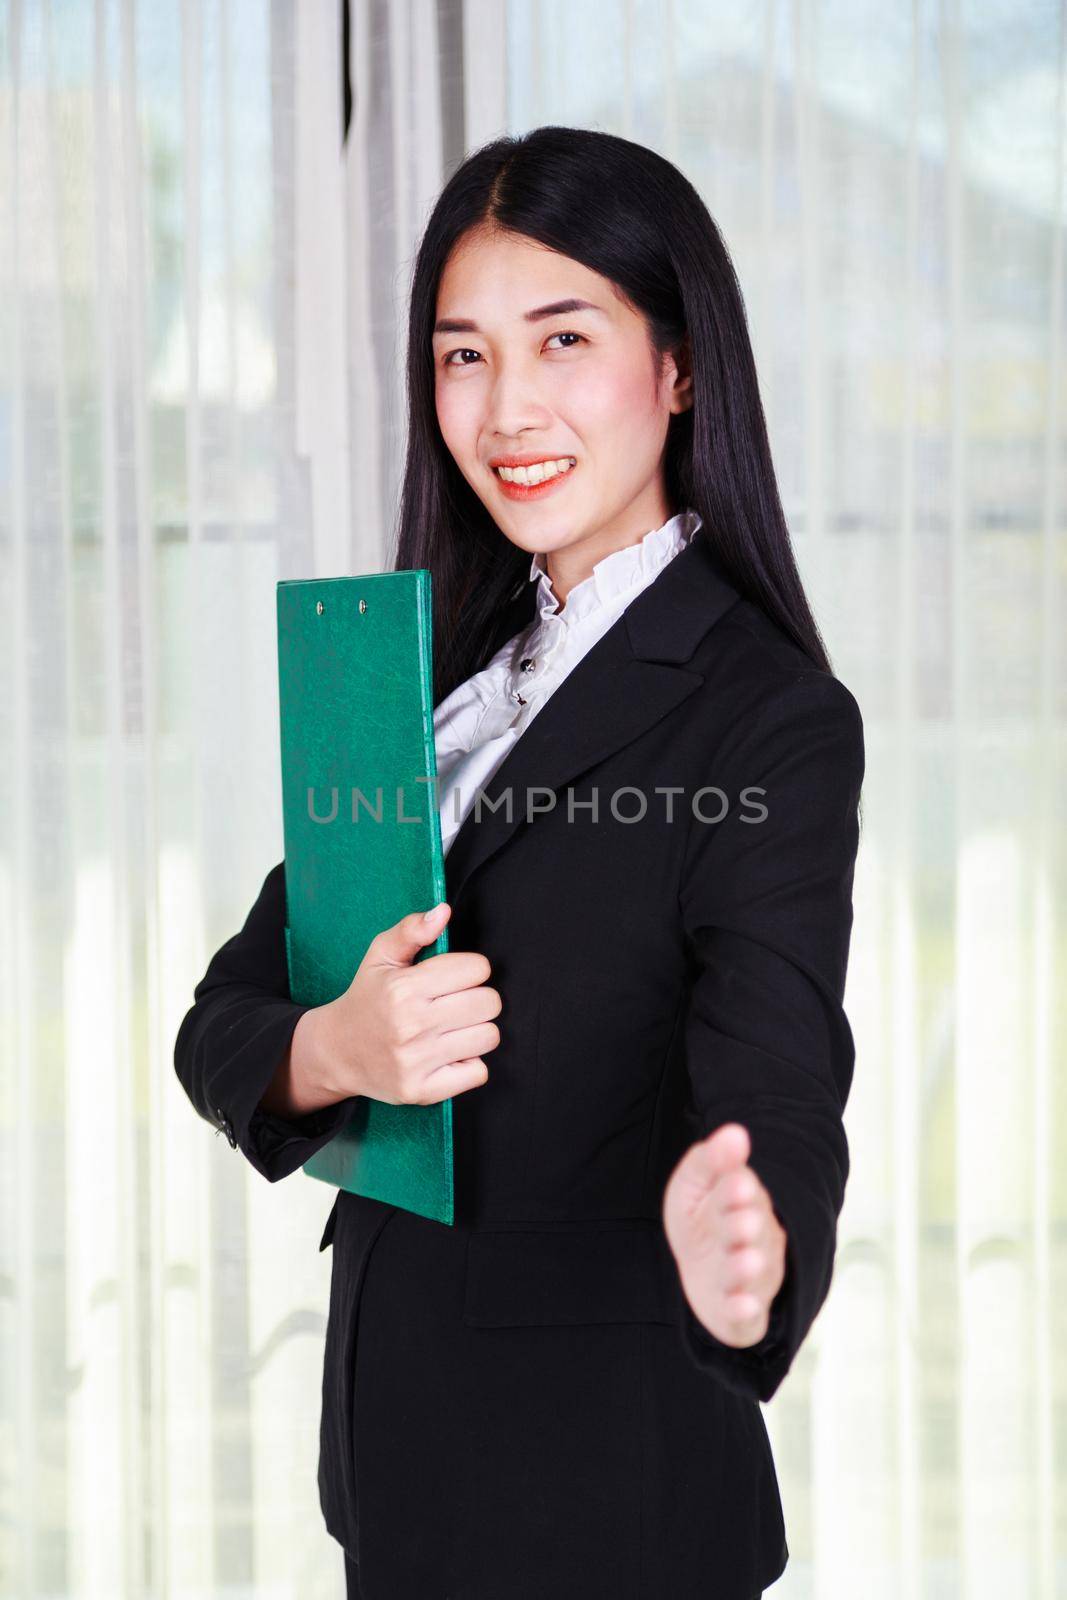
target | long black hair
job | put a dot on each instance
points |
(628, 214)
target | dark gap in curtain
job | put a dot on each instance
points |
(346, 74)
(450, 78)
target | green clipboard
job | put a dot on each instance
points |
(362, 837)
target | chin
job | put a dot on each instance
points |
(554, 533)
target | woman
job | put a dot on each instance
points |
(559, 1396)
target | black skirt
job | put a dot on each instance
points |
(354, 1592)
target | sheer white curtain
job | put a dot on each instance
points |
(201, 339)
(175, 435)
(890, 180)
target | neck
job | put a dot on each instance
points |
(568, 567)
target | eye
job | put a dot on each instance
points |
(448, 362)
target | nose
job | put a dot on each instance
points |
(515, 402)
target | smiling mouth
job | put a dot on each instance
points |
(537, 472)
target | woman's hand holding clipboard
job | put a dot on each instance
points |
(407, 1032)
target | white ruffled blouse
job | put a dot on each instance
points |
(477, 724)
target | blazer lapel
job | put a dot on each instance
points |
(630, 679)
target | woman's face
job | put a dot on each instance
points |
(580, 384)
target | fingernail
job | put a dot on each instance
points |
(428, 916)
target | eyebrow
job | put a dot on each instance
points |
(558, 308)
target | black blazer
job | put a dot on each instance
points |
(523, 1404)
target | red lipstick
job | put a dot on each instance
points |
(533, 491)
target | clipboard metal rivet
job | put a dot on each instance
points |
(319, 607)
(362, 605)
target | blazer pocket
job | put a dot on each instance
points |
(566, 1274)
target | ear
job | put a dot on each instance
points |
(682, 390)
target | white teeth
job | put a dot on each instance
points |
(537, 473)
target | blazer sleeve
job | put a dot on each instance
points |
(236, 1033)
(767, 914)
